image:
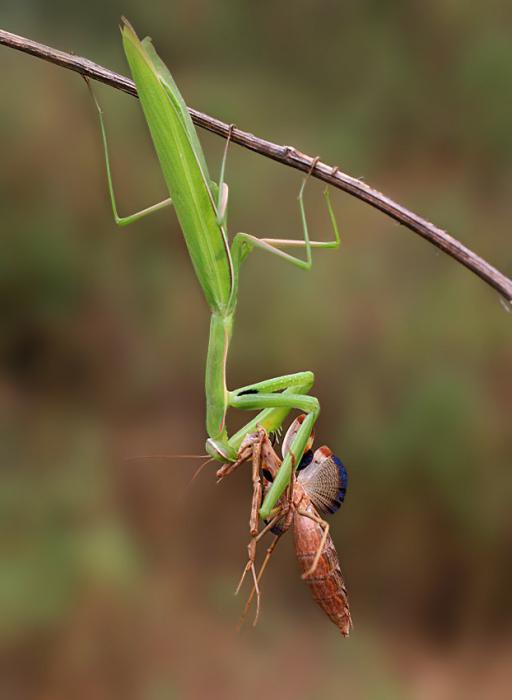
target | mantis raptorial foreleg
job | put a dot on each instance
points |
(121, 220)
(293, 389)
(258, 396)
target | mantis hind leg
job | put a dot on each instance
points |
(120, 220)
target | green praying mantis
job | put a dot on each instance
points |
(201, 206)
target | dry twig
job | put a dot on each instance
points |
(287, 155)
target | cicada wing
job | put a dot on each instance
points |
(324, 480)
(326, 582)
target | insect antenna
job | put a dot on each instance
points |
(154, 457)
(151, 457)
(199, 470)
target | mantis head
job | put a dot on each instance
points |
(220, 451)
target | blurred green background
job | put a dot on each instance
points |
(117, 579)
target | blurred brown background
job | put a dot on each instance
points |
(117, 580)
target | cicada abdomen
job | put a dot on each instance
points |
(326, 582)
(323, 483)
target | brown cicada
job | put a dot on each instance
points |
(317, 489)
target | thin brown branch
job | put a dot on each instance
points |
(288, 156)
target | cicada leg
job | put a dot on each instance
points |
(266, 560)
(253, 518)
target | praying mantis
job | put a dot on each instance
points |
(201, 205)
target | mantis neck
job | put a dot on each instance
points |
(221, 328)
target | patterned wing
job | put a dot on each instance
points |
(324, 480)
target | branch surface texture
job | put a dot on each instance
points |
(287, 155)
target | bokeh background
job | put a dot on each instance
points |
(116, 577)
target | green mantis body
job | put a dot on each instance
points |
(200, 206)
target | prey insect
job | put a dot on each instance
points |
(318, 489)
(201, 205)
